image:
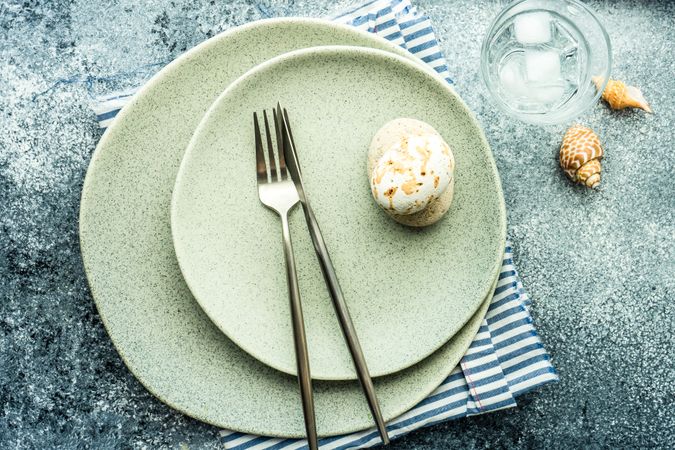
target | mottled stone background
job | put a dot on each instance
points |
(599, 264)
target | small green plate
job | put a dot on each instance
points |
(408, 290)
(158, 328)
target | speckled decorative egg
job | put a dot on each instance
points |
(412, 173)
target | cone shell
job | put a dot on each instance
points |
(620, 96)
(580, 156)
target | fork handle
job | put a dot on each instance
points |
(345, 320)
(299, 338)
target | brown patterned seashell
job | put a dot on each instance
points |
(620, 96)
(580, 156)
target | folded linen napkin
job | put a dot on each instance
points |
(505, 359)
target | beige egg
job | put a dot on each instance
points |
(389, 136)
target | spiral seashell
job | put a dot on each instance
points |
(580, 155)
(620, 96)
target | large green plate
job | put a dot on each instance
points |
(409, 290)
(160, 331)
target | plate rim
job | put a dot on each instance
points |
(322, 51)
(213, 41)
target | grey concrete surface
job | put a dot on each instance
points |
(598, 264)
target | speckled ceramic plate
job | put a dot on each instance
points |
(160, 331)
(408, 290)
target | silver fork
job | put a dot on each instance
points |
(277, 191)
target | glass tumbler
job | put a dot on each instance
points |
(546, 61)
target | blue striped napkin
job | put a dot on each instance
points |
(505, 359)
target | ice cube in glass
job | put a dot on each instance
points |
(512, 77)
(542, 66)
(532, 28)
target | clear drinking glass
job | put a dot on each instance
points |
(540, 58)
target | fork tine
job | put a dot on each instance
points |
(260, 167)
(270, 149)
(278, 124)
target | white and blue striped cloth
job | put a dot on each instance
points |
(505, 359)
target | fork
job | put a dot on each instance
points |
(277, 192)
